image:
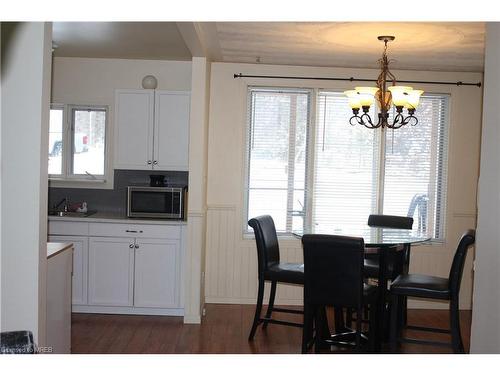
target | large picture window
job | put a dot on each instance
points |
(327, 173)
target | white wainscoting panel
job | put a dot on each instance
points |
(231, 263)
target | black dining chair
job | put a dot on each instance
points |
(388, 221)
(271, 269)
(433, 287)
(333, 276)
(396, 263)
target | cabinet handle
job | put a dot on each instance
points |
(131, 246)
(133, 231)
(149, 162)
(155, 162)
(136, 246)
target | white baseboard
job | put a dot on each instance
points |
(126, 310)
(192, 319)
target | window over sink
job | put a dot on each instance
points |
(77, 143)
(307, 166)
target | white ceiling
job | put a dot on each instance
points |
(421, 46)
(126, 40)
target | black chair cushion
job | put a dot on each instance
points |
(424, 286)
(286, 272)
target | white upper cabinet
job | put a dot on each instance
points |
(171, 135)
(151, 129)
(134, 129)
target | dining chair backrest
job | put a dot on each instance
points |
(457, 266)
(390, 221)
(333, 270)
(268, 251)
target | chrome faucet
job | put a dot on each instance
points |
(66, 204)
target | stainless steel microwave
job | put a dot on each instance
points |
(156, 202)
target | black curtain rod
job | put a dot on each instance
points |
(352, 79)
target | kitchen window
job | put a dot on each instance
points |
(324, 172)
(77, 143)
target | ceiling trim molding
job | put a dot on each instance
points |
(201, 38)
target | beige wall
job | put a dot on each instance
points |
(231, 269)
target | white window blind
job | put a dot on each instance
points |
(345, 166)
(416, 167)
(277, 155)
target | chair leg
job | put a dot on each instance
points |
(270, 307)
(373, 328)
(348, 317)
(307, 329)
(319, 328)
(404, 317)
(456, 336)
(394, 330)
(359, 321)
(339, 319)
(258, 309)
(366, 312)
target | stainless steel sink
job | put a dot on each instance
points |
(71, 214)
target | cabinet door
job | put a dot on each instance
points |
(80, 266)
(157, 273)
(134, 129)
(171, 140)
(111, 271)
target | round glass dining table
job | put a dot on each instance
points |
(372, 236)
(381, 241)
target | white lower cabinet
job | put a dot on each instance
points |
(80, 266)
(121, 268)
(111, 271)
(156, 273)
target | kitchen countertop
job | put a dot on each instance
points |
(107, 217)
(54, 248)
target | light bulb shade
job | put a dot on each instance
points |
(400, 95)
(149, 82)
(354, 99)
(413, 99)
(367, 90)
(366, 95)
(366, 99)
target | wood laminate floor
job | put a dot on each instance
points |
(224, 330)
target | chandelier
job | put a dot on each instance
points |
(399, 96)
